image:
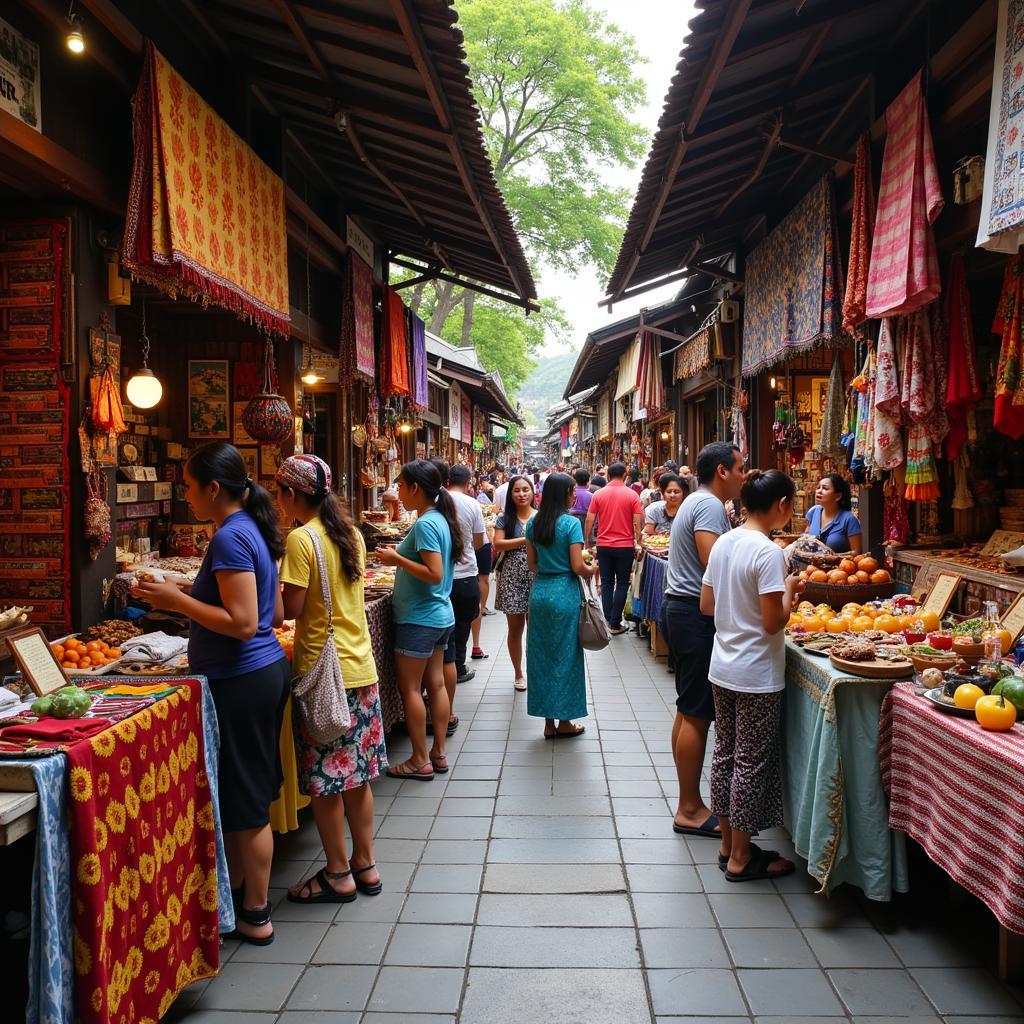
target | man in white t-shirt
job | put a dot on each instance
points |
(465, 588)
(499, 496)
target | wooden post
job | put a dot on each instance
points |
(1011, 955)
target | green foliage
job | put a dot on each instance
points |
(544, 387)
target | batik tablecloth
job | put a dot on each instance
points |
(51, 970)
(955, 789)
(382, 640)
(836, 809)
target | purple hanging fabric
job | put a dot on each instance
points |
(420, 396)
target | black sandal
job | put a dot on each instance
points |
(758, 865)
(453, 724)
(257, 918)
(367, 888)
(327, 893)
(723, 858)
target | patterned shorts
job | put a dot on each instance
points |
(746, 766)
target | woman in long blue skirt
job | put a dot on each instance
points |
(554, 657)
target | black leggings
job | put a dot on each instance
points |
(616, 573)
(466, 606)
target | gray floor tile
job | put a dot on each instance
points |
(398, 851)
(640, 807)
(839, 910)
(517, 826)
(768, 947)
(316, 1017)
(408, 1018)
(251, 987)
(333, 988)
(554, 947)
(645, 790)
(558, 805)
(663, 878)
(607, 910)
(405, 826)
(644, 826)
(553, 878)
(353, 943)
(233, 1016)
(850, 947)
(474, 772)
(471, 788)
(750, 910)
(880, 993)
(466, 807)
(429, 945)
(461, 828)
(528, 787)
(528, 996)
(417, 805)
(417, 990)
(672, 910)
(655, 851)
(294, 943)
(683, 947)
(965, 990)
(553, 851)
(447, 878)
(439, 908)
(931, 947)
(319, 913)
(454, 851)
(699, 991)
(789, 992)
(580, 787)
(384, 908)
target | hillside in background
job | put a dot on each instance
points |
(544, 387)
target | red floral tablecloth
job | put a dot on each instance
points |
(382, 640)
(956, 790)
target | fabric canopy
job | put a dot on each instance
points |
(205, 214)
(357, 350)
(629, 370)
(394, 347)
(792, 284)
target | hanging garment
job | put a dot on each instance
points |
(922, 473)
(357, 356)
(1009, 412)
(923, 378)
(394, 348)
(420, 393)
(895, 513)
(888, 413)
(904, 271)
(962, 497)
(963, 388)
(107, 410)
(831, 440)
(855, 301)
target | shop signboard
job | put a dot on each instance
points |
(455, 412)
(19, 77)
(359, 241)
(467, 420)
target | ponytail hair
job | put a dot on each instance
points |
(554, 500)
(337, 523)
(223, 462)
(427, 477)
(764, 488)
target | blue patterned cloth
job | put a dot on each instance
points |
(51, 975)
(652, 589)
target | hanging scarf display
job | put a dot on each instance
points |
(923, 379)
(863, 393)
(420, 394)
(1009, 412)
(963, 389)
(107, 410)
(895, 513)
(831, 440)
(922, 473)
(855, 301)
(356, 355)
(904, 271)
(888, 444)
(394, 355)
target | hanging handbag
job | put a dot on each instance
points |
(593, 630)
(321, 703)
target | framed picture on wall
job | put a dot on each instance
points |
(251, 457)
(209, 402)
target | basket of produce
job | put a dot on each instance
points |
(857, 578)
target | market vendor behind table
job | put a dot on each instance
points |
(831, 520)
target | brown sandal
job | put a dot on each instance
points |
(439, 764)
(404, 771)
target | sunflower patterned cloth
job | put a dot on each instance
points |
(143, 863)
(205, 214)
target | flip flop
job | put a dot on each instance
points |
(580, 730)
(479, 653)
(439, 764)
(706, 831)
(453, 724)
(394, 771)
(366, 888)
(723, 860)
(520, 685)
(327, 893)
(757, 867)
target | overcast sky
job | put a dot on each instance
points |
(659, 27)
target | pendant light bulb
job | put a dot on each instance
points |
(309, 375)
(144, 390)
(75, 39)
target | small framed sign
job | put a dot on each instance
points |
(1013, 619)
(39, 666)
(942, 592)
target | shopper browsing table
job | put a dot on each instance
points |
(701, 520)
(746, 589)
(233, 606)
(335, 775)
(619, 516)
(423, 612)
(660, 515)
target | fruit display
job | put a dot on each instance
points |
(85, 656)
(889, 617)
(285, 634)
(112, 632)
(1012, 688)
(855, 570)
(995, 713)
(68, 702)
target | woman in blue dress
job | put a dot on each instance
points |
(554, 657)
(831, 520)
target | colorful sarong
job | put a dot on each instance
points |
(394, 347)
(420, 393)
(1009, 413)
(888, 443)
(855, 301)
(357, 349)
(205, 214)
(963, 390)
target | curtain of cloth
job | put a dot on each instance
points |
(855, 301)
(420, 397)
(357, 349)
(1009, 413)
(394, 375)
(904, 271)
(963, 389)
(205, 215)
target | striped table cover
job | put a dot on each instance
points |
(956, 790)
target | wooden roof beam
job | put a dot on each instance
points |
(769, 147)
(298, 30)
(516, 300)
(328, 13)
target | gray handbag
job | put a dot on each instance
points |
(321, 704)
(593, 630)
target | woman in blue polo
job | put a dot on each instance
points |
(831, 520)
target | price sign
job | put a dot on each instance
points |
(31, 650)
(1013, 619)
(942, 593)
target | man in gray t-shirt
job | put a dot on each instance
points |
(690, 636)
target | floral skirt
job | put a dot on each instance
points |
(514, 584)
(352, 760)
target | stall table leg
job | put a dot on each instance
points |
(1011, 955)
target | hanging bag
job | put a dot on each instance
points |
(320, 699)
(593, 630)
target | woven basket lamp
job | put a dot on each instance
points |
(268, 417)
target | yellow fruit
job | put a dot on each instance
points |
(813, 623)
(838, 625)
(929, 619)
(862, 624)
(967, 695)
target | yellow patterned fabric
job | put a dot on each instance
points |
(205, 215)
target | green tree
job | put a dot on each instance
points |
(556, 86)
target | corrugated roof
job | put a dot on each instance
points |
(750, 72)
(378, 94)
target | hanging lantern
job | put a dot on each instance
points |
(268, 417)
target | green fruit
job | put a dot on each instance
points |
(1012, 689)
(70, 702)
(41, 707)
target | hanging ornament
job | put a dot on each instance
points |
(97, 512)
(268, 417)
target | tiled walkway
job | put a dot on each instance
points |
(541, 882)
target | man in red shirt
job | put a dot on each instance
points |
(620, 518)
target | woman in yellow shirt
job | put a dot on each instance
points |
(336, 775)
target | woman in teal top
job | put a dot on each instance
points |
(423, 612)
(554, 657)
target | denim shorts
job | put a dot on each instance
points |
(415, 641)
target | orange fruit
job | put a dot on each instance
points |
(887, 623)
(837, 578)
(867, 564)
(114, 652)
(819, 576)
(58, 652)
(838, 625)
(929, 619)
(804, 606)
(862, 624)
(71, 655)
(881, 576)
(85, 662)
(93, 645)
(848, 565)
(814, 623)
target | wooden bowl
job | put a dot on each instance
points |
(837, 596)
(941, 662)
(967, 650)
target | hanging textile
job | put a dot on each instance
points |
(923, 378)
(604, 415)
(922, 473)
(694, 355)
(863, 387)
(895, 513)
(629, 370)
(1009, 412)
(792, 288)
(205, 214)
(962, 497)
(357, 350)
(394, 348)
(963, 388)
(855, 301)
(830, 441)
(420, 396)
(904, 271)
(739, 432)
(1001, 224)
(650, 397)
(888, 444)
